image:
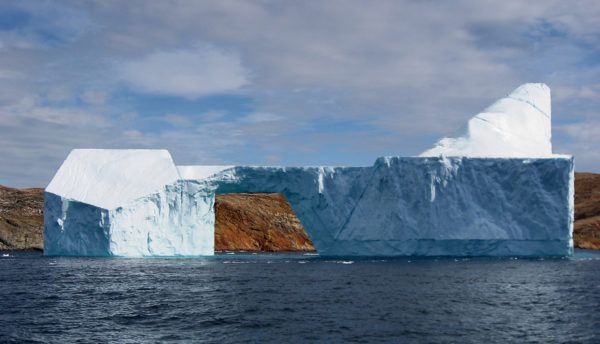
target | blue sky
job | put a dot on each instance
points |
(282, 83)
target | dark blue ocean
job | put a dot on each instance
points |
(281, 298)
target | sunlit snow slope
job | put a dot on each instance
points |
(518, 125)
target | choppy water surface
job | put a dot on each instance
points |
(299, 298)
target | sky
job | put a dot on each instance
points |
(283, 82)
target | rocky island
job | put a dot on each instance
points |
(586, 230)
(21, 218)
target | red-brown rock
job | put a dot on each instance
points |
(21, 219)
(258, 222)
(586, 230)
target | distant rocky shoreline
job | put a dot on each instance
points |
(258, 221)
(21, 219)
(586, 231)
(251, 222)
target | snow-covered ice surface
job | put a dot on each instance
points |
(494, 190)
(93, 176)
(518, 125)
(200, 172)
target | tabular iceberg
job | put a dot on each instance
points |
(518, 200)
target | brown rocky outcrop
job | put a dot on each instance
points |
(586, 230)
(258, 222)
(21, 219)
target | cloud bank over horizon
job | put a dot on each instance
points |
(282, 83)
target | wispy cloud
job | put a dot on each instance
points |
(261, 117)
(334, 82)
(185, 73)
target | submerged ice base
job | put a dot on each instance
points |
(399, 206)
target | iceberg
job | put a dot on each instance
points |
(131, 203)
(494, 190)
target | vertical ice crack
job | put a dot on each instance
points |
(320, 180)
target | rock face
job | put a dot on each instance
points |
(258, 222)
(586, 231)
(21, 219)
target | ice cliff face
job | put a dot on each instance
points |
(125, 203)
(399, 206)
(517, 200)
(518, 125)
(425, 206)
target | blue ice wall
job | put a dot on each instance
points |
(426, 206)
(399, 206)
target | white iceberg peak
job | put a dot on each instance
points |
(516, 126)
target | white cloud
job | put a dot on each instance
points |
(9, 74)
(588, 131)
(586, 92)
(133, 134)
(94, 97)
(583, 143)
(212, 115)
(322, 82)
(177, 120)
(59, 93)
(260, 117)
(185, 73)
(33, 108)
(272, 158)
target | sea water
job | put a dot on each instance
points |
(233, 298)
